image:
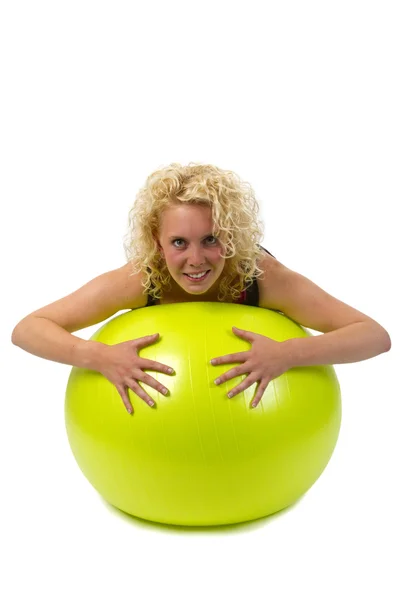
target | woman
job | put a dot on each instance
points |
(193, 236)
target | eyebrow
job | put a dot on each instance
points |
(183, 238)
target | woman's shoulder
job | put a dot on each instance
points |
(131, 286)
(266, 252)
(95, 301)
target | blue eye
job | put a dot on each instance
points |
(211, 237)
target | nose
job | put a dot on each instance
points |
(196, 259)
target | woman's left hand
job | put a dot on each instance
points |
(265, 361)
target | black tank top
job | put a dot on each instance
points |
(248, 297)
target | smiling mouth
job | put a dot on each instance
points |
(197, 278)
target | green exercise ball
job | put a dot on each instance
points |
(198, 457)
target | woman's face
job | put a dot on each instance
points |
(188, 246)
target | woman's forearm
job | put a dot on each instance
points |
(46, 339)
(353, 343)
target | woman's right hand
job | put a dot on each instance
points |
(121, 364)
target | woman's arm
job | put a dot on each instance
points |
(47, 332)
(349, 335)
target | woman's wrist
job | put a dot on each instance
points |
(88, 354)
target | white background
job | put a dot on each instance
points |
(300, 99)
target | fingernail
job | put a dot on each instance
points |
(164, 391)
(151, 403)
(170, 371)
(217, 381)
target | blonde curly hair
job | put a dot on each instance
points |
(235, 216)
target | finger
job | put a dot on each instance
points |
(153, 365)
(230, 358)
(240, 330)
(139, 391)
(234, 372)
(145, 340)
(259, 395)
(241, 387)
(149, 380)
(125, 399)
(249, 336)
